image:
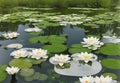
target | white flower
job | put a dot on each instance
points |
(16, 46)
(103, 79)
(86, 79)
(92, 43)
(10, 35)
(19, 53)
(36, 29)
(86, 57)
(60, 59)
(12, 70)
(39, 53)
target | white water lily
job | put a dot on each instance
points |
(86, 57)
(60, 59)
(103, 79)
(92, 43)
(10, 35)
(12, 70)
(19, 54)
(15, 45)
(86, 79)
(36, 29)
(39, 53)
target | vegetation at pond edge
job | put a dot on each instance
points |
(58, 3)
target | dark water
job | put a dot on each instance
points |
(75, 36)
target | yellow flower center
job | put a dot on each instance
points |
(86, 81)
(38, 53)
(19, 54)
(86, 56)
(16, 46)
(12, 35)
(90, 40)
(102, 81)
(60, 58)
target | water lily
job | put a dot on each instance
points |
(12, 70)
(86, 79)
(16, 46)
(39, 53)
(36, 29)
(84, 56)
(10, 35)
(60, 59)
(92, 43)
(103, 79)
(19, 53)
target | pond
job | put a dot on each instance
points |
(59, 32)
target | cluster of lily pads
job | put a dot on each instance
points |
(43, 20)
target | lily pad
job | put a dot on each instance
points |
(76, 48)
(42, 39)
(90, 24)
(3, 75)
(27, 72)
(34, 61)
(55, 48)
(114, 76)
(20, 63)
(48, 39)
(36, 76)
(111, 63)
(56, 39)
(110, 49)
(3, 67)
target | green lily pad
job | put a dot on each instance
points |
(42, 39)
(27, 72)
(56, 39)
(34, 33)
(3, 75)
(111, 63)
(110, 49)
(34, 61)
(36, 76)
(48, 39)
(114, 76)
(40, 76)
(55, 48)
(20, 63)
(3, 67)
(102, 22)
(90, 24)
(76, 48)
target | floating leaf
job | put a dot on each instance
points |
(27, 72)
(111, 63)
(76, 48)
(114, 76)
(56, 39)
(34, 61)
(90, 25)
(20, 63)
(110, 49)
(3, 75)
(55, 48)
(3, 67)
(36, 76)
(48, 39)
